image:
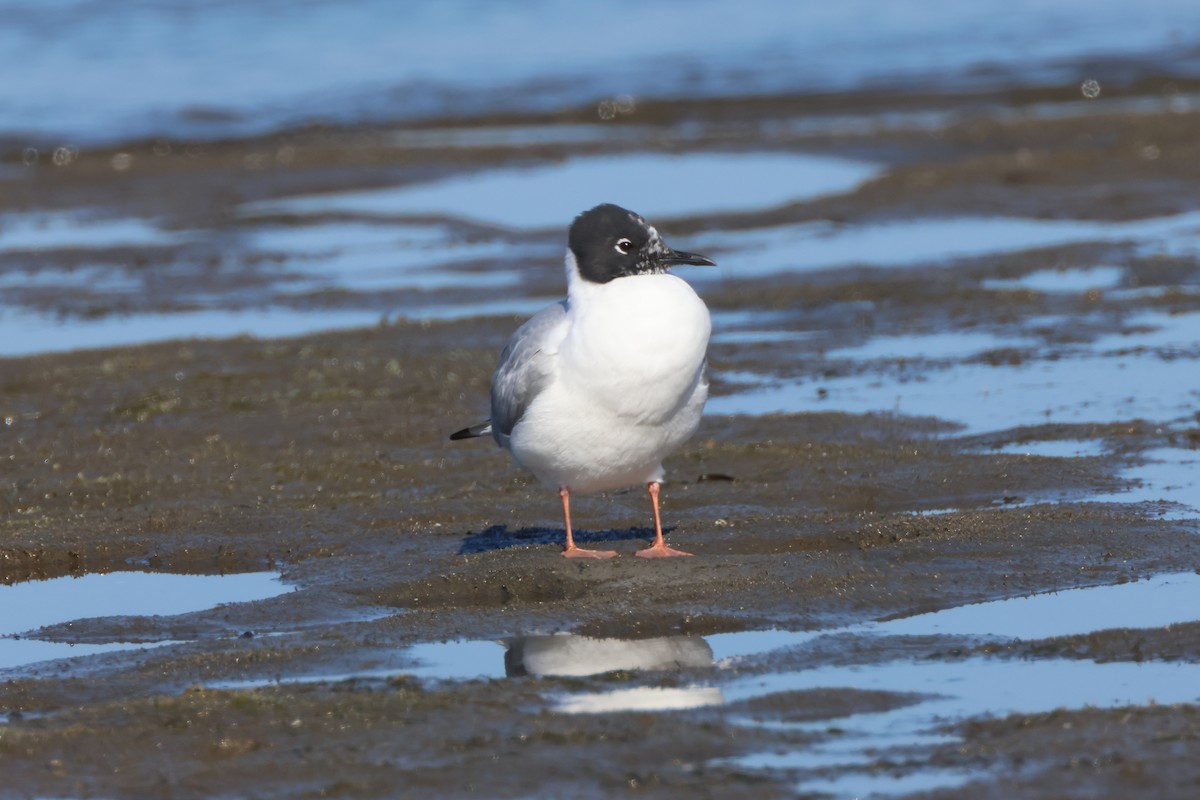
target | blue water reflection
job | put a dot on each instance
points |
(95, 72)
(656, 185)
(30, 605)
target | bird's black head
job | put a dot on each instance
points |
(610, 242)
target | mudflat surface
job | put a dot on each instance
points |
(325, 457)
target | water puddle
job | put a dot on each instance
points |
(1163, 332)
(1049, 281)
(361, 258)
(520, 307)
(339, 257)
(984, 398)
(458, 660)
(1158, 602)
(658, 186)
(20, 232)
(954, 691)
(33, 333)
(358, 257)
(383, 270)
(561, 654)
(966, 689)
(846, 757)
(929, 346)
(1120, 376)
(31, 605)
(834, 752)
(1126, 375)
(96, 279)
(816, 246)
(760, 337)
(1168, 481)
(1155, 603)
(1184, 244)
(1164, 600)
(887, 783)
(747, 327)
(1054, 448)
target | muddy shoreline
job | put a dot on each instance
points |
(325, 457)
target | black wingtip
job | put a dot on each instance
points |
(482, 429)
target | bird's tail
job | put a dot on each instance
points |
(482, 429)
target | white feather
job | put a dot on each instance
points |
(626, 387)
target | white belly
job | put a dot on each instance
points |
(630, 386)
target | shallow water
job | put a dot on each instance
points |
(342, 262)
(657, 186)
(31, 605)
(1168, 480)
(458, 660)
(1156, 602)
(33, 333)
(950, 691)
(95, 73)
(1165, 481)
(97, 279)
(959, 690)
(355, 260)
(1120, 376)
(970, 688)
(1160, 331)
(752, 327)
(1078, 279)
(363, 257)
(984, 398)
(351, 258)
(887, 783)
(358, 259)
(62, 231)
(929, 346)
(1153, 603)
(821, 245)
(1055, 448)
(37, 333)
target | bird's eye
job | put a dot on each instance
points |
(624, 245)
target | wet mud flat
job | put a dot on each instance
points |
(851, 500)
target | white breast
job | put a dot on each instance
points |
(636, 345)
(629, 388)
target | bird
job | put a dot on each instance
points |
(592, 392)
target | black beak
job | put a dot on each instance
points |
(673, 257)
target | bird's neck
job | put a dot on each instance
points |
(576, 283)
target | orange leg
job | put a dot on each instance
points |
(571, 551)
(659, 549)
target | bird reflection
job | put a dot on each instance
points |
(570, 655)
(566, 654)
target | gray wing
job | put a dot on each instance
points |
(526, 367)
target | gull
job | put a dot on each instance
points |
(595, 390)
